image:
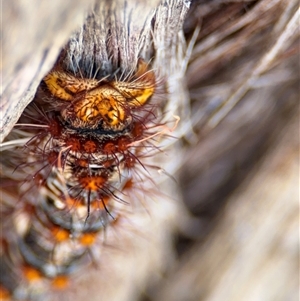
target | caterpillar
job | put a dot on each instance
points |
(79, 148)
(88, 152)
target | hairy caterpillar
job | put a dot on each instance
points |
(120, 44)
(87, 138)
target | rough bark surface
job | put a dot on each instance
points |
(32, 35)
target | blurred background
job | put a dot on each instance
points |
(240, 173)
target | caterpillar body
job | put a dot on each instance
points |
(79, 149)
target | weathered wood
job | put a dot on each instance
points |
(31, 38)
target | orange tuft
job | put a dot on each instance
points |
(63, 85)
(140, 89)
(92, 183)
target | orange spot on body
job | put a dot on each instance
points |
(60, 282)
(74, 143)
(92, 183)
(4, 294)
(123, 144)
(129, 184)
(60, 234)
(109, 148)
(32, 274)
(109, 163)
(82, 162)
(73, 203)
(129, 161)
(88, 239)
(138, 130)
(55, 128)
(90, 146)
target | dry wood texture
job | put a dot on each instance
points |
(230, 70)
